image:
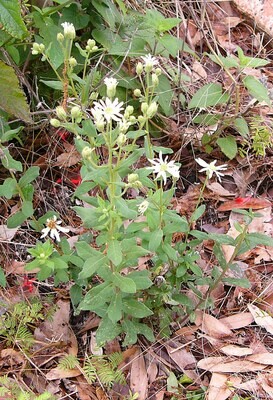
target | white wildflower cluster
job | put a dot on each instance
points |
(211, 168)
(37, 48)
(53, 228)
(162, 168)
(69, 30)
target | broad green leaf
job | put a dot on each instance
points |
(250, 62)
(97, 296)
(9, 162)
(16, 220)
(136, 308)
(29, 176)
(228, 146)
(114, 310)
(227, 62)
(238, 282)
(56, 85)
(173, 44)
(241, 126)
(124, 210)
(92, 265)
(131, 330)
(256, 89)
(107, 331)
(209, 95)
(170, 251)
(11, 20)
(10, 134)
(9, 188)
(75, 294)
(207, 119)
(114, 252)
(126, 285)
(183, 299)
(155, 239)
(165, 95)
(172, 383)
(12, 99)
(27, 208)
(84, 250)
(141, 279)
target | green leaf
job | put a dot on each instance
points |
(218, 252)
(3, 281)
(198, 213)
(155, 239)
(136, 308)
(131, 330)
(107, 331)
(9, 188)
(241, 126)
(12, 99)
(228, 146)
(172, 383)
(114, 310)
(259, 239)
(124, 210)
(126, 285)
(250, 62)
(238, 282)
(97, 296)
(141, 279)
(183, 299)
(7, 160)
(165, 95)
(11, 20)
(27, 209)
(170, 251)
(16, 220)
(114, 252)
(256, 89)
(56, 85)
(92, 264)
(209, 95)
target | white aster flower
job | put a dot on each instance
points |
(52, 228)
(211, 168)
(162, 167)
(69, 30)
(109, 109)
(143, 207)
(149, 62)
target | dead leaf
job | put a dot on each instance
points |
(266, 382)
(262, 318)
(223, 364)
(212, 326)
(59, 373)
(7, 233)
(138, 377)
(183, 359)
(218, 189)
(234, 350)
(221, 386)
(238, 321)
(245, 203)
(12, 357)
(262, 358)
(65, 160)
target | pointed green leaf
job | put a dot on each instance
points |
(141, 279)
(114, 252)
(12, 99)
(136, 308)
(228, 146)
(256, 89)
(114, 310)
(155, 239)
(209, 95)
(107, 331)
(16, 220)
(3, 281)
(93, 264)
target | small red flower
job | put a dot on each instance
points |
(63, 134)
(28, 284)
(76, 181)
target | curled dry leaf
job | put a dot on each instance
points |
(262, 358)
(245, 203)
(59, 373)
(183, 359)
(262, 318)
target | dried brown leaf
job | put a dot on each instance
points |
(212, 326)
(262, 318)
(220, 386)
(223, 364)
(234, 350)
(59, 373)
(262, 358)
(139, 378)
(238, 321)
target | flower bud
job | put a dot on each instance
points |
(76, 112)
(132, 119)
(55, 122)
(37, 48)
(129, 110)
(139, 68)
(152, 110)
(144, 107)
(91, 43)
(155, 80)
(72, 62)
(61, 114)
(137, 92)
(100, 124)
(69, 30)
(158, 71)
(60, 37)
(94, 48)
(132, 178)
(141, 119)
(86, 152)
(121, 140)
(111, 84)
(93, 96)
